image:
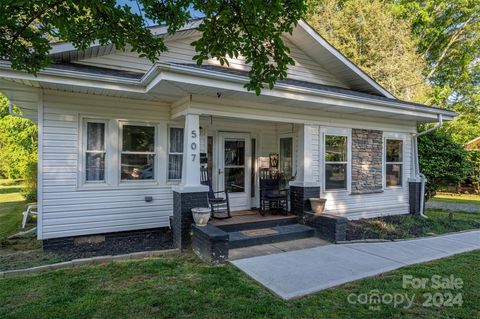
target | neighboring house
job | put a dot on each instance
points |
(473, 145)
(121, 139)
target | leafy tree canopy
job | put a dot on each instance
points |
(369, 34)
(447, 33)
(250, 28)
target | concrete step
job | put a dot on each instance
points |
(260, 236)
(259, 224)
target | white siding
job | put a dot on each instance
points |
(389, 202)
(69, 210)
(180, 51)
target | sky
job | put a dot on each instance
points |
(136, 8)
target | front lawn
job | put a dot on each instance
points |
(457, 199)
(409, 226)
(12, 204)
(182, 287)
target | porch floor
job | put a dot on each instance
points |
(250, 216)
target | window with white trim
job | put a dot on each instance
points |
(286, 157)
(336, 162)
(95, 151)
(393, 163)
(175, 153)
(137, 158)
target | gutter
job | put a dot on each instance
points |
(416, 173)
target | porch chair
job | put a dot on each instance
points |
(31, 210)
(271, 195)
(219, 205)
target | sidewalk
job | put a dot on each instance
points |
(297, 273)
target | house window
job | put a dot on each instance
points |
(175, 153)
(286, 157)
(138, 152)
(336, 162)
(95, 152)
(393, 163)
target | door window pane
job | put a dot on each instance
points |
(137, 166)
(335, 176)
(235, 179)
(286, 157)
(234, 153)
(138, 138)
(335, 148)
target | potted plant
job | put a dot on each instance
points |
(318, 204)
(201, 215)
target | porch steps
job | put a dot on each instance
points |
(268, 235)
(258, 224)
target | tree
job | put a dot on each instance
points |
(447, 33)
(368, 33)
(442, 161)
(473, 158)
(249, 28)
(18, 148)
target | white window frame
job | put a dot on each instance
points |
(396, 137)
(294, 153)
(82, 157)
(336, 131)
(155, 153)
(173, 180)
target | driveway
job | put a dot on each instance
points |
(469, 208)
(297, 273)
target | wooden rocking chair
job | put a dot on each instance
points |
(219, 205)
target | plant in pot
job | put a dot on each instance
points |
(201, 215)
(318, 205)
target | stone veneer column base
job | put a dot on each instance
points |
(299, 198)
(182, 216)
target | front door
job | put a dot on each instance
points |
(234, 169)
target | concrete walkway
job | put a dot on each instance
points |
(298, 273)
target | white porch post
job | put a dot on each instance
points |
(305, 177)
(305, 185)
(191, 157)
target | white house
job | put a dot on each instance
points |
(118, 133)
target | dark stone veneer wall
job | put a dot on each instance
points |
(367, 161)
(182, 219)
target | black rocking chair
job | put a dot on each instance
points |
(271, 196)
(220, 206)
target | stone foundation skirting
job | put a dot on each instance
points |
(327, 226)
(111, 243)
(210, 244)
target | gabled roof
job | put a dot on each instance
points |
(303, 35)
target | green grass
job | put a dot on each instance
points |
(182, 287)
(457, 199)
(11, 206)
(408, 226)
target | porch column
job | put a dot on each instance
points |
(306, 183)
(190, 193)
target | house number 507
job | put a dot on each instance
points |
(193, 146)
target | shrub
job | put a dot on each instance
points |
(442, 161)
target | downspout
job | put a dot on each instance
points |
(11, 112)
(417, 172)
